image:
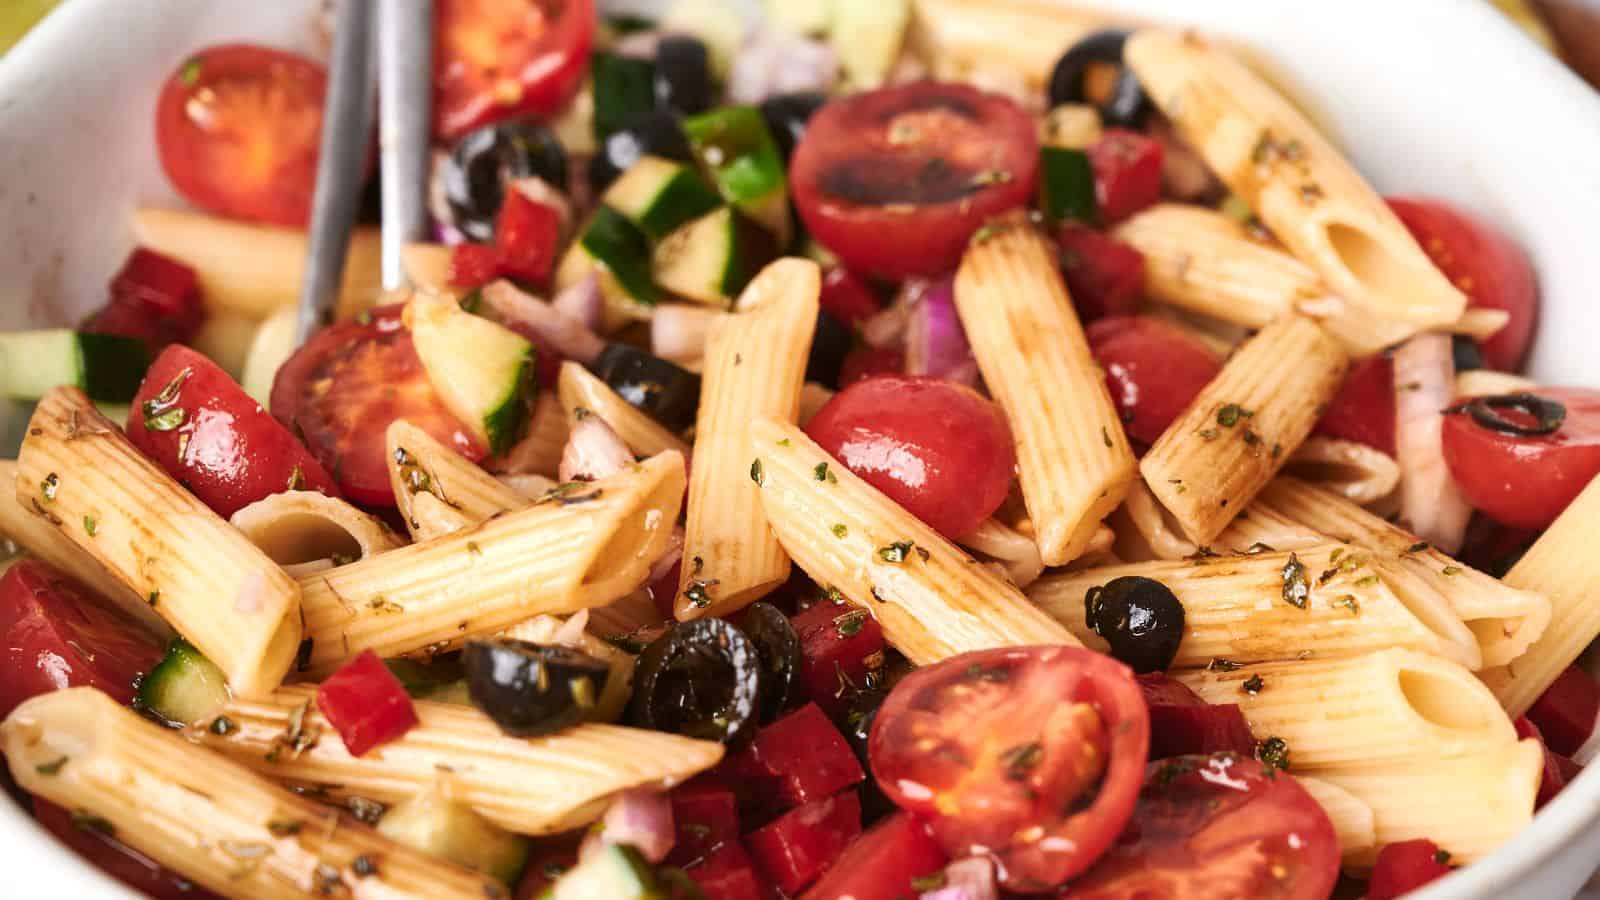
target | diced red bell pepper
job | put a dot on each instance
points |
(153, 297)
(1182, 723)
(550, 859)
(797, 759)
(847, 297)
(705, 813)
(1104, 276)
(1363, 410)
(1558, 769)
(526, 238)
(838, 645)
(882, 864)
(727, 873)
(1127, 173)
(865, 362)
(1566, 711)
(473, 265)
(366, 704)
(797, 847)
(1405, 866)
(115, 858)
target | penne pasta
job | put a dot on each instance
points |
(1352, 818)
(755, 367)
(208, 818)
(225, 337)
(1145, 530)
(1012, 548)
(1388, 707)
(1073, 459)
(581, 390)
(1329, 601)
(427, 266)
(77, 469)
(297, 527)
(538, 785)
(932, 599)
(583, 546)
(813, 397)
(437, 490)
(539, 451)
(957, 37)
(1355, 471)
(1487, 382)
(1243, 425)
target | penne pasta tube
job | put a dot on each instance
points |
(1311, 198)
(582, 546)
(1073, 459)
(1487, 382)
(1352, 470)
(956, 37)
(1243, 425)
(225, 337)
(755, 367)
(538, 785)
(438, 490)
(1559, 566)
(625, 615)
(1145, 529)
(297, 527)
(580, 389)
(932, 599)
(1013, 549)
(1329, 601)
(813, 397)
(530, 486)
(427, 266)
(539, 451)
(1352, 818)
(208, 818)
(1387, 707)
(76, 469)
(1468, 806)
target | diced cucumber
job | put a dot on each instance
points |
(735, 147)
(482, 371)
(622, 248)
(614, 872)
(452, 831)
(272, 346)
(106, 366)
(624, 86)
(658, 195)
(184, 687)
(1066, 185)
(867, 36)
(711, 259)
(808, 17)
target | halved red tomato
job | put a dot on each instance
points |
(493, 59)
(1526, 481)
(1031, 755)
(115, 858)
(345, 386)
(1218, 826)
(1363, 410)
(883, 864)
(1153, 371)
(239, 129)
(896, 180)
(1404, 867)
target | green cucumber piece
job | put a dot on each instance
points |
(107, 367)
(614, 872)
(482, 371)
(711, 259)
(658, 195)
(452, 831)
(735, 147)
(184, 687)
(624, 86)
(1066, 185)
(622, 248)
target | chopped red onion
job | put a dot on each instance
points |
(967, 879)
(669, 557)
(639, 818)
(678, 332)
(593, 451)
(565, 333)
(570, 634)
(1430, 501)
(639, 44)
(582, 301)
(887, 329)
(772, 61)
(935, 342)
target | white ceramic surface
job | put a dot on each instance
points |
(1430, 96)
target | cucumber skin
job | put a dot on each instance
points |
(504, 423)
(120, 365)
(621, 247)
(680, 201)
(178, 662)
(1066, 185)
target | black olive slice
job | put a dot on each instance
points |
(787, 116)
(1547, 414)
(779, 648)
(531, 689)
(484, 161)
(1128, 106)
(667, 393)
(831, 343)
(702, 679)
(683, 75)
(1140, 618)
(1466, 352)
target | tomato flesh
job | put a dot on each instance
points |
(837, 645)
(1127, 174)
(935, 447)
(1031, 755)
(895, 181)
(847, 297)
(1182, 724)
(869, 362)
(366, 704)
(494, 59)
(883, 863)
(1218, 826)
(1565, 713)
(1526, 482)
(239, 129)
(727, 873)
(1557, 771)
(1153, 370)
(154, 298)
(1404, 867)
(1363, 410)
(705, 813)
(1104, 276)
(800, 758)
(799, 845)
(115, 858)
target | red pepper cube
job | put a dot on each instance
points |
(473, 265)
(1405, 866)
(1105, 277)
(1566, 711)
(165, 287)
(1127, 173)
(705, 813)
(838, 645)
(797, 847)
(1558, 770)
(366, 704)
(801, 757)
(526, 237)
(1182, 723)
(726, 873)
(883, 864)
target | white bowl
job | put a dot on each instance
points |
(1430, 96)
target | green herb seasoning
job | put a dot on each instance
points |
(698, 593)
(1273, 753)
(840, 531)
(1221, 664)
(297, 479)
(47, 487)
(1252, 685)
(930, 882)
(896, 552)
(286, 827)
(222, 725)
(366, 811)
(1442, 857)
(821, 473)
(757, 474)
(1022, 759)
(1296, 589)
(190, 73)
(51, 768)
(1259, 547)
(83, 820)
(1230, 414)
(1418, 547)
(364, 866)
(90, 525)
(1367, 581)
(1105, 436)
(1349, 601)
(849, 624)
(1451, 570)
(154, 597)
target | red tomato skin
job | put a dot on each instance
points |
(940, 744)
(1127, 174)
(797, 759)
(227, 451)
(844, 174)
(847, 297)
(527, 236)
(490, 62)
(1486, 265)
(1565, 713)
(239, 127)
(473, 265)
(1363, 410)
(1403, 867)
(58, 634)
(154, 298)
(881, 865)
(868, 362)
(1104, 276)
(935, 447)
(366, 704)
(1526, 482)
(1153, 370)
(1557, 769)
(831, 660)
(801, 844)
(115, 858)
(1182, 724)
(727, 873)
(705, 812)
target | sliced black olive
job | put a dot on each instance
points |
(482, 163)
(683, 75)
(624, 87)
(1140, 618)
(1468, 355)
(787, 116)
(653, 133)
(1128, 106)
(830, 345)
(531, 689)
(779, 648)
(856, 726)
(667, 393)
(702, 679)
(1547, 414)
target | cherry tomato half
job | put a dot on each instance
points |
(1218, 826)
(1404, 867)
(1154, 370)
(896, 180)
(1363, 410)
(493, 59)
(1031, 755)
(883, 864)
(239, 128)
(343, 388)
(1485, 264)
(115, 858)
(935, 447)
(1525, 482)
